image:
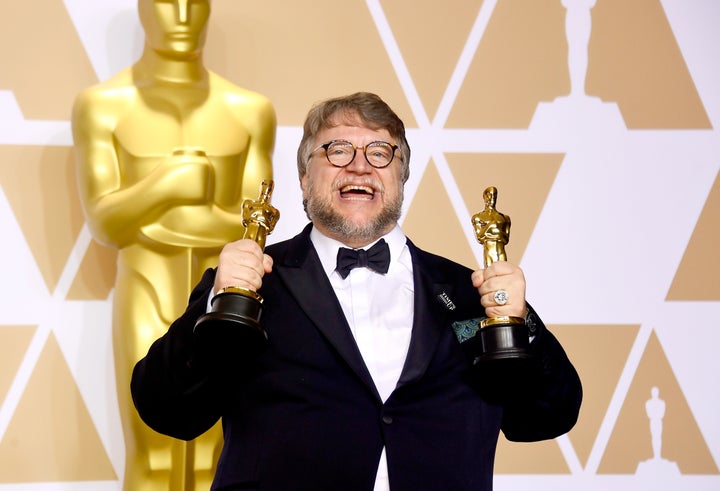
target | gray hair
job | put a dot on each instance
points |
(369, 108)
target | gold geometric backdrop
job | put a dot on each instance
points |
(606, 156)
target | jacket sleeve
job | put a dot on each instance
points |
(543, 397)
(172, 394)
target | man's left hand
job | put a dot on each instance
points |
(501, 275)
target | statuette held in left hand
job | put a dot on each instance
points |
(503, 337)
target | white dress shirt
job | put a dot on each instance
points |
(379, 309)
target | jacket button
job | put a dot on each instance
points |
(387, 419)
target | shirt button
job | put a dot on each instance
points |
(387, 419)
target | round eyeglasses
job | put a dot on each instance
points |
(340, 153)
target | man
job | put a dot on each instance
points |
(166, 152)
(363, 384)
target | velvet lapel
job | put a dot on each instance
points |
(430, 318)
(301, 271)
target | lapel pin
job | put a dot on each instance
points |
(445, 300)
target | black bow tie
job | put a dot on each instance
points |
(376, 258)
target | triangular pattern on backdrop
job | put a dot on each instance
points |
(697, 276)
(524, 41)
(50, 216)
(631, 444)
(95, 277)
(421, 51)
(523, 180)
(599, 353)
(432, 224)
(40, 44)
(51, 436)
(642, 69)
(336, 68)
(14, 342)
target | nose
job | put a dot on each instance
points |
(182, 11)
(359, 163)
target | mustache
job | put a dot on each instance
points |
(362, 181)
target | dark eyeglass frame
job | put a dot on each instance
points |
(355, 148)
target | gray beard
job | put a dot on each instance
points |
(320, 211)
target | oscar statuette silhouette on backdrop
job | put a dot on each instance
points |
(166, 152)
(234, 317)
(502, 338)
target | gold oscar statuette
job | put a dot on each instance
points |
(505, 337)
(234, 311)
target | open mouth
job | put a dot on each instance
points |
(357, 192)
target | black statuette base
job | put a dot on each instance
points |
(502, 363)
(232, 327)
(504, 341)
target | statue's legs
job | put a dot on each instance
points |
(154, 462)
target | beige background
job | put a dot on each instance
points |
(614, 198)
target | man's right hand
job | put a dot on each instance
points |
(242, 264)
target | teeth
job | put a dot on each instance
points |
(357, 188)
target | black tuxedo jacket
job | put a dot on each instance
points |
(304, 414)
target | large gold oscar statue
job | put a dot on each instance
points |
(166, 153)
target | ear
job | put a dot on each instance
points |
(303, 185)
